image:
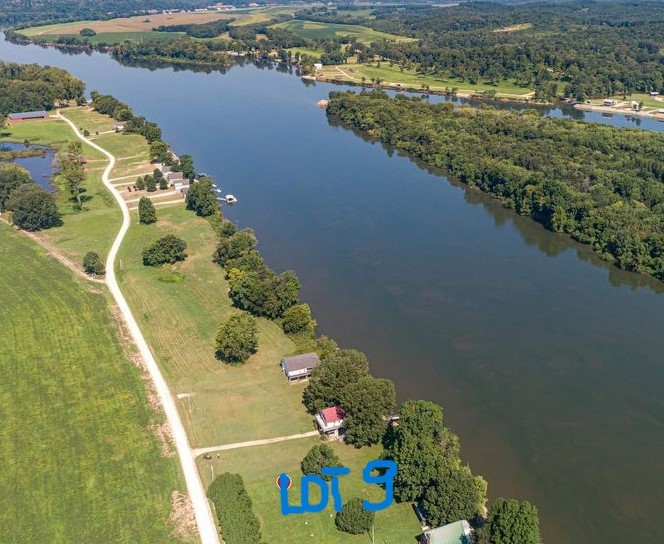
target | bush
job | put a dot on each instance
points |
(239, 524)
(318, 457)
(87, 32)
(298, 318)
(168, 249)
(513, 522)
(147, 214)
(86, 132)
(33, 208)
(140, 183)
(150, 183)
(237, 339)
(92, 264)
(353, 518)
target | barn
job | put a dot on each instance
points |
(27, 115)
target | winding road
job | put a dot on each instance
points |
(207, 527)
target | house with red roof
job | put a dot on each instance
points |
(331, 422)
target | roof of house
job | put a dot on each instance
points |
(27, 115)
(453, 533)
(332, 414)
(300, 362)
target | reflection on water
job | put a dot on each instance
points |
(41, 167)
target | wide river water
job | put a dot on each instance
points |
(548, 362)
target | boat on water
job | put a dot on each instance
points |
(218, 190)
(230, 199)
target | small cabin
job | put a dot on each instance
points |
(318, 66)
(299, 367)
(609, 102)
(331, 422)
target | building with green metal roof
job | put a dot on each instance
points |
(453, 533)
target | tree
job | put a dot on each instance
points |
(263, 293)
(161, 152)
(147, 213)
(513, 522)
(234, 246)
(238, 523)
(297, 318)
(87, 32)
(92, 264)
(140, 183)
(421, 446)
(318, 457)
(11, 177)
(168, 249)
(150, 183)
(368, 403)
(237, 338)
(454, 494)
(202, 198)
(72, 170)
(353, 518)
(186, 166)
(33, 208)
(331, 379)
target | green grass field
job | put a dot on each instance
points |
(79, 463)
(316, 30)
(113, 38)
(412, 80)
(251, 16)
(396, 524)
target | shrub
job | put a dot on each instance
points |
(239, 524)
(87, 32)
(33, 208)
(237, 339)
(318, 457)
(140, 183)
(92, 264)
(353, 518)
(168, 249)
(147, 214)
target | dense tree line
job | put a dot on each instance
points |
(202, 30)
(602, 185)
(478, 42)
(184, 51)
(111, 106)
(29, 87)
(234, 509)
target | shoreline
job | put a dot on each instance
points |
(621, 111)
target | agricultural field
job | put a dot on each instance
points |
(113, 38)
(410, 79)
(79, 460)
(252, 16)
(321, 31)
(260, 466)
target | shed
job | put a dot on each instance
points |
(299, 367)
(654, 93)
(453, 533)
(174, 176)
(609, 102)
(27, 115)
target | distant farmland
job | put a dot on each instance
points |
(322, 31)
(79, 461)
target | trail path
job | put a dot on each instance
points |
(207, 527)
(236, 445)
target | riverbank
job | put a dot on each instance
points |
(623, 108)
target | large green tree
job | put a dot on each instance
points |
(513, 522)
(318, 457)
(298, 319)
(331, 379)
(234, 246)
(147, 213)
(92, 264)
(422, 447)
(167, 249)
(453, 495)
(202, 198)
(234, 509)
(11, 177)
(73, 171)
(353, 518)
(237, 338)
(368, 403)
(33, 208)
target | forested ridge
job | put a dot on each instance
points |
(602, 185)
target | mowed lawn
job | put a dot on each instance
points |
(79, 462)
(260, 466)
(179, 309)
(318, 30)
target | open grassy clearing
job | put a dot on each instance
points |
(260, 466)
(139, 23)
(114, 38)
(317, 30)
(179, 310)
(306, 51)
(259, 15)
(411, 79)
(79, 461)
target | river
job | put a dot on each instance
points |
(548, 362)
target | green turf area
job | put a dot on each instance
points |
(411, 79)
(260, 466)
(38, 30)
(221, 404)
(260, 15)
(112, 38)
(316, 53)
(323, 31)
(79, 462)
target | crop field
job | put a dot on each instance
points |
(322, 31)
(140, 23)
(259, 15)
(260, 466)
(79, 461)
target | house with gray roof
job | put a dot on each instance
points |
(299, 367)
(453, 533)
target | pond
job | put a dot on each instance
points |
(41, 166)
